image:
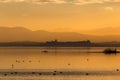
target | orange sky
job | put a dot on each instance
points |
(60, 15)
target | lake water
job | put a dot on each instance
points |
(64, 63)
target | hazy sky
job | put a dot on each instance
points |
(60, 15)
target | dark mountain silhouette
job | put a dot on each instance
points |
(23, 34)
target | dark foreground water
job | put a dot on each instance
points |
(20, 63)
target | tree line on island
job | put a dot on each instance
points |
(56, 43)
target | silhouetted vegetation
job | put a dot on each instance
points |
(57, 43)
(54, 43)
(110, 51)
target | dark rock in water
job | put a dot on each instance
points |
(12, 73)
(33, 72)
(54, 74)
(5, 74)
(117, 69)
(55, 71)
(30, 61)
(61, 72)
(87, 74)
(87, 59)
(15, 72)
(110, 51)
(69, 64)
(23, 61)
(40, 73)
(45, 51)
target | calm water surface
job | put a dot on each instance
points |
(90, 66)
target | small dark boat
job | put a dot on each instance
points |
(110, 51)
(45, 51)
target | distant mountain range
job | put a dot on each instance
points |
(104, 31)
(22, 34)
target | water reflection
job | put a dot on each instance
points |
(62, 63)
(64, 58)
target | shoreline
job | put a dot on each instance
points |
(56, 72)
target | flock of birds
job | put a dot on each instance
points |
(54, 72)
(29, 61)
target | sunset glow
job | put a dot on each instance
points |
(60, 15)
